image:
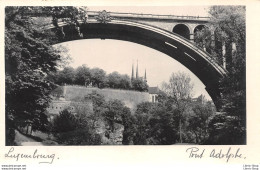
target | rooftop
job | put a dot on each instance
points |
(153, 90)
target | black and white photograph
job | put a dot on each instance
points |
(131, 75)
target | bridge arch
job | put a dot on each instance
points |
(195, 59)
(182, 30)
(198, 28)
(207, 33)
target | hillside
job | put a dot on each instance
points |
(129, 97)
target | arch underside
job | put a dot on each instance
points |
(172, 45)
(182, 30)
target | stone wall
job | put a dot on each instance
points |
(129, 97)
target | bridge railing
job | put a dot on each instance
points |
(152, 16)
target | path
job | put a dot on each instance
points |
(22, 140)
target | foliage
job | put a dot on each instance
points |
(179, 86)
(99, 103)
(226, 130)
(82, 75)
(75, 129)
(230, 28)
(29, 57)
(66, 76)
(199, 120)
(141, 133)
(65, 122)
(179, 90)
(203, 39)
(158, 123)
(79, 137)
(128, 121)
(117, 81)
(125, 82)
(144, 107)
(139, 85)
(96, 77)
(154, 124)
(233, 86)
(113, 80)
(114, 111)
(228, 24)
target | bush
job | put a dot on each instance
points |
(154, 125)
(74, 130)
(9, 133)
(79, 137)
(64, 122)
(226, 130)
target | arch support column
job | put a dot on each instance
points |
(214, 92)
(212, 36)
(224, 55)
(191, 37)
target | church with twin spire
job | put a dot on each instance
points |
(137, 74)
(153, 91)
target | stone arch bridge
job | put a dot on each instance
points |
(172, 35)
(186, 26)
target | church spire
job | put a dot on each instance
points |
(132, 77)
(137, 75)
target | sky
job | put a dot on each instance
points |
(116, 55)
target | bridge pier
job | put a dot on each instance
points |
(214, 92)
(224, 55)
(191, 37)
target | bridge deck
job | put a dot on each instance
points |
(152, 16)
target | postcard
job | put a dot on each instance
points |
(129, 85)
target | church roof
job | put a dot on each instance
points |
(153, 90)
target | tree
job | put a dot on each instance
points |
(99, 107)
(128, 121)
(203, 39)
(66, 76)
(229, 24)
(199, 120)
(118, 81)
(139, 85)
(163, 125)
(29, 58)
(114, 80)
(154, 124)
(65, 122)
(83, 75)
(98, 77)
(113, 113)
(142, 129)
(230, 21)
(179, 89)
(201, 99)
(125, 82)
(226, 130)
(75, 129)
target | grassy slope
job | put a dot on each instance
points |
(130, 98)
